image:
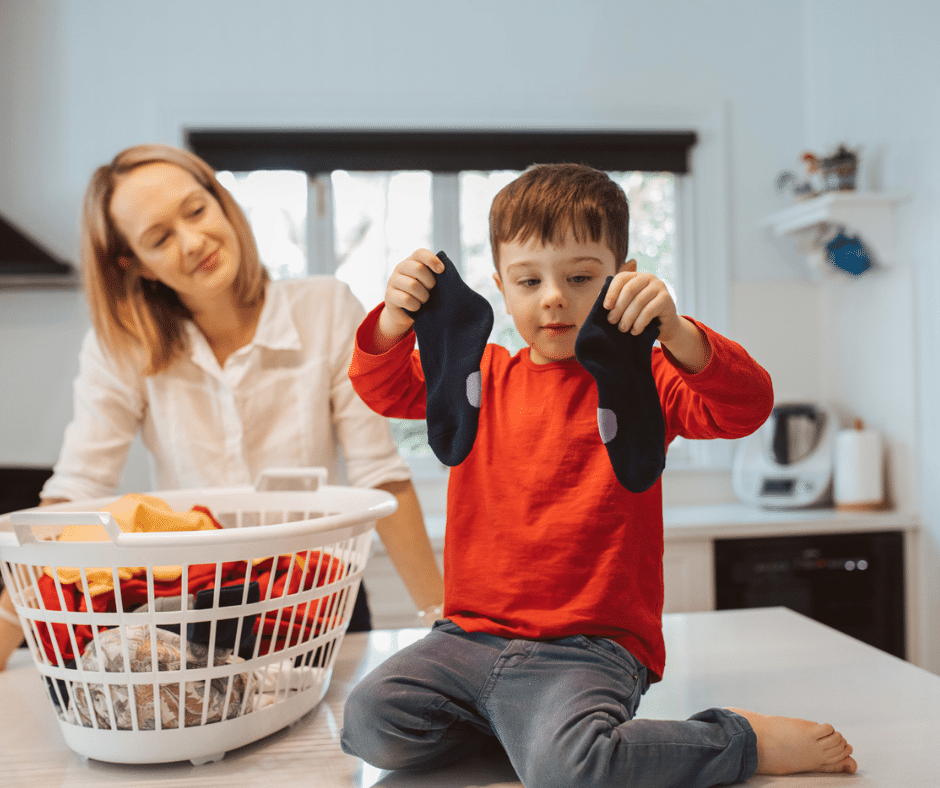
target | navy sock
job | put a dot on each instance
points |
(629, 414)
(452, 327)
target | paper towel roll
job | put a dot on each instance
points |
(859, 472)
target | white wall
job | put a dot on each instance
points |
(40, 331)
(871, 81)
(81, 79)
(89, 78)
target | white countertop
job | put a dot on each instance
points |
(732, 520)
(770, 660)
(728, 520)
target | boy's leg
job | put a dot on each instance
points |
(417, 710)
(564, 711)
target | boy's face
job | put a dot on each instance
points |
(549, 290)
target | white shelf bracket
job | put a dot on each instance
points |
(814, 221)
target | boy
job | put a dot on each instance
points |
(553, 556)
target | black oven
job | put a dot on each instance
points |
(851, 582)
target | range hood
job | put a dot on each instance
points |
(26, 263)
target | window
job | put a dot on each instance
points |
(359, 223)
(275, 203)
(379, 218)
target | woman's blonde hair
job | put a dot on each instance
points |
(131, 314)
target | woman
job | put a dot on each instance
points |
(223, 372)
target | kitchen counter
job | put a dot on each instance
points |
(688, 562)
(770, 660)
(731, 520)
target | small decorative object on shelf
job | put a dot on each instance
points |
(839, 170)
(836, 172)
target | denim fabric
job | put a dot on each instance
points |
(563, 710)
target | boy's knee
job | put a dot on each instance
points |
(577, 756)
(394, 727)
(386, 726)
(365, 725)
(549, 769)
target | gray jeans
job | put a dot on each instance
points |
(563, 710)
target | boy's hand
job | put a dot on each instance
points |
(408, 287)
(634, 299)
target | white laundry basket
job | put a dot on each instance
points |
(315, 542)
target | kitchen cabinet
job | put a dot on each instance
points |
(688, 569)
(688, 576)
(688, 559)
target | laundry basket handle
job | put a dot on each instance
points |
(23, 523)
(305, 479)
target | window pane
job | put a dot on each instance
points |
(379, 219)
(275, 203)
(652, 198)
(477, 190)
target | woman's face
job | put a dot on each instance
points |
(178, 232)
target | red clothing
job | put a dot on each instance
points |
(542, 540)
(278, 629)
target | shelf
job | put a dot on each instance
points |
(868, 215)
(70, 281)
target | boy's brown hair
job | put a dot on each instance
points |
(549, 199)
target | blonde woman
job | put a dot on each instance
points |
(221, 371)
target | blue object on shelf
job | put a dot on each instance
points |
(848, 254)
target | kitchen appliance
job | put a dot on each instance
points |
(788, 462)
(853, 582)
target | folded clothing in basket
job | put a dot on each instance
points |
(226, 630)
(276, 576)
(134, 513)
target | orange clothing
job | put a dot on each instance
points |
(134, 513)
(542, 541)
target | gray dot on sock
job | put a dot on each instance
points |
(607, 424)
(475, 388)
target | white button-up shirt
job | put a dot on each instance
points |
(283, 400)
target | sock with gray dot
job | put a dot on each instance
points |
(629, 414)
(452, 327)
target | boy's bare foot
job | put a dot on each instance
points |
(786, 745)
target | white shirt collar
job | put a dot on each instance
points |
(276, 330)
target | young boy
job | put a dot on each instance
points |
(552, 624)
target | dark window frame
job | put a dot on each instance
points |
(443, 151)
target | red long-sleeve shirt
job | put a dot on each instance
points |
(542, 541)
